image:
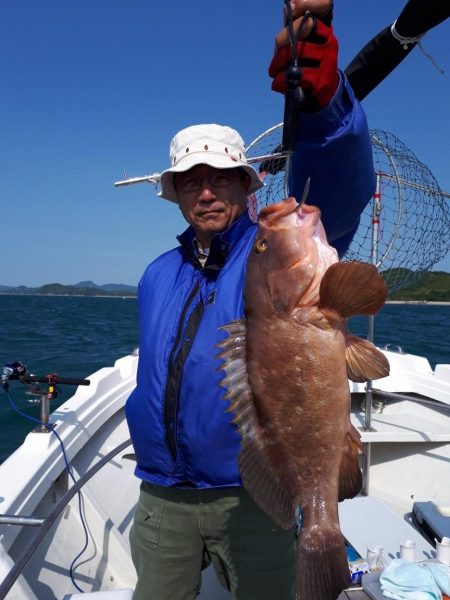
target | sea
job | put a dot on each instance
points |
(75, 336)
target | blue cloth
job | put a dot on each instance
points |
(404, 580)
(334, 149)
(180, 431)
(172, 287)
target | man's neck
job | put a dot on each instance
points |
(203, 251)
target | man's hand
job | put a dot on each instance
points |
(320, 8)
(317, 54)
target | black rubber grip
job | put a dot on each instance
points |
(54, 379)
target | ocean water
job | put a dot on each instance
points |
(76, 336)
(71, 336)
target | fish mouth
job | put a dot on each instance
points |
(288, 213)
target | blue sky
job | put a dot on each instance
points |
(90, 88)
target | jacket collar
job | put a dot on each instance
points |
(222, 243)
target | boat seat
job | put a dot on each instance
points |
(110, 595)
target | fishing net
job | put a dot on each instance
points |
(404, 230)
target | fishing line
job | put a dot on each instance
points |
(69, 471)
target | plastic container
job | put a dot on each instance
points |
(356, 564)
(407, 550)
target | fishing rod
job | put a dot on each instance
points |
(17, 371)
(294, 97)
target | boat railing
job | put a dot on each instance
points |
(435, 404)
(14, 520)
(46, 523)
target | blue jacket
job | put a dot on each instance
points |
(176, 415)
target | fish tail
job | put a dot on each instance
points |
(322, 566)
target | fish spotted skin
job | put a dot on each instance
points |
(287, 366)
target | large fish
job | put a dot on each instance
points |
(287, 368)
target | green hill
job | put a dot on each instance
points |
(433, 286)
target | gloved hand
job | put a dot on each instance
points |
(317, 56)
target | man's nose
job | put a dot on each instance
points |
(206, 192)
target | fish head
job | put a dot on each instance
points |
(290, 256)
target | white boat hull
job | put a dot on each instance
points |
(410, 461)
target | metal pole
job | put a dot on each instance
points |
(156, 177)
(45, 414)
(376, 211)
(14, 520)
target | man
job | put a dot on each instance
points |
(192, 509)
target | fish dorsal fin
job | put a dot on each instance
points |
(352, 288)
(350, 476)
(364, 361)
(263, 485)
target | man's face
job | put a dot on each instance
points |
(211, 199)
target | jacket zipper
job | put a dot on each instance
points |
(176, 364)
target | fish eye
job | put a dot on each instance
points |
(261, 246)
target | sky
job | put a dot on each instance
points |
(92, 90)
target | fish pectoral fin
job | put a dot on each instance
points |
(364, 361)
(263, 485)
(352, 288)
(350, 476)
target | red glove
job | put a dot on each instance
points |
(317, 58)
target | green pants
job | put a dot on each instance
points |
(178, 532)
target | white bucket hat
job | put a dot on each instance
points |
(214, 145)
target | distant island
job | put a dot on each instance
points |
(84, 288)
(433, 286)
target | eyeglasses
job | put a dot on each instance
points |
(195, 184)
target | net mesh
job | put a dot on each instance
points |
(413, 214)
